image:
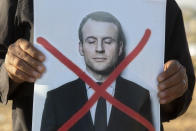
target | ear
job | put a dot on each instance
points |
(121, 46)
(81, 49)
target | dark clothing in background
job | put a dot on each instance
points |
(16, 21)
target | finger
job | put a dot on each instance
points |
(172, 93)
(23, 66)
(17, 74)
(30, 49)
(171, 67)
(18, 52)
(185, 79)
(6, 65)
(15, 79)
(172, 80)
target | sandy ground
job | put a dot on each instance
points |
(5, 117)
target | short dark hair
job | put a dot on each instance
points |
(102, 17)
(105, 17)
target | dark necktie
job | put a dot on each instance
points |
(101, 115)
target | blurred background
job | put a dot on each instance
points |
(187, 122)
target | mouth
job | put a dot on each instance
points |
(99, 59)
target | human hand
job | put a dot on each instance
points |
(23, 62)
(172, 83)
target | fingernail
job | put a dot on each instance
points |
(162, 101)
(161, 78)
(35, 74)
(40, 68)
(162, 94)
(161, 87)
(41, 58)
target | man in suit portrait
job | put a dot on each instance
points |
(102, 44)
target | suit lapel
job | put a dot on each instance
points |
(116, 113)
(85, 123)
(128, 96)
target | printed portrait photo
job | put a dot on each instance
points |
(98, 73)
(102, 44)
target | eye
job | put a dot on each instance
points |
(91, 40)
(108, 40)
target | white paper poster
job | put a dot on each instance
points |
(111, 50)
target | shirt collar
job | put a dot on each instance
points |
(88, 87)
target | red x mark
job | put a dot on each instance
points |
(100, 90)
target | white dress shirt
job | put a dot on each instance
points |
(90, 92)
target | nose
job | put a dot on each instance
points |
(99, 47)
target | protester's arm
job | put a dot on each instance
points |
(18, 58)
(176, 83)
(4, 83)
(6, 27)
(173, 90)
(23, 63)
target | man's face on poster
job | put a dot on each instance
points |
(100, 46)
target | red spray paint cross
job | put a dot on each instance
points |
(100, 90)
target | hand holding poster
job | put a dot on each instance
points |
(113, 46)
